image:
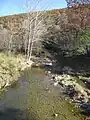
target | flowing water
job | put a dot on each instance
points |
(34, 97)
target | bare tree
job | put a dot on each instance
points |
(33, 26)
(4, 38)
(11, 32)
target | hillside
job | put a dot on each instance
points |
(14, 25)
(74, 15)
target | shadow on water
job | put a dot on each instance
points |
(16, 114)
(74, 62)
(74, 65)
(85, 109)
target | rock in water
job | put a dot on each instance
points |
(56, 83)
(55, 114)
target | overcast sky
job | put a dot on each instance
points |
(8, 7)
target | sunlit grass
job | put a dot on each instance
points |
(10, 68)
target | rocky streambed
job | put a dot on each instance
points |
(75, 90)
(35, 97)
(41, 94)
(75, 86)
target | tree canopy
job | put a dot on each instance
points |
(71, 3)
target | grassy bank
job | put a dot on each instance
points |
(11, 67)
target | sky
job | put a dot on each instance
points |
(10, 7)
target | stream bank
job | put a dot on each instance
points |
(11, 67)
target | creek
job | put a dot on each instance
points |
(34, 97)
